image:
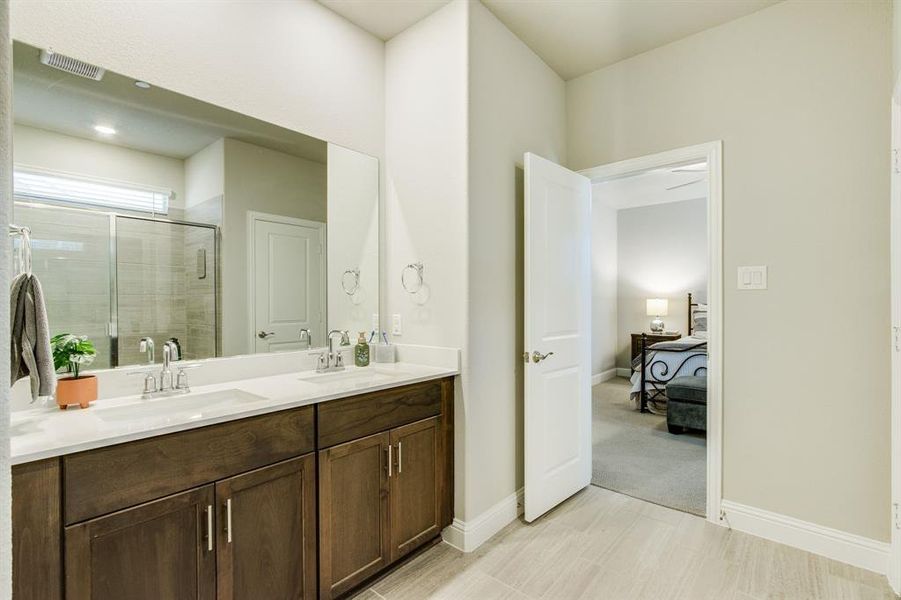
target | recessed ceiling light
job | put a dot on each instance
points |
(142, 84)
(104, 130)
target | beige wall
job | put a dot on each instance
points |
(516, 105)
(603, 285)
(352, 233)
(49, 150)
(896, 38)
(262, 180)
(804, 121)
(205, 174)
(425, 201)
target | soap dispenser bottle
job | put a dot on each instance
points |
(361, 351)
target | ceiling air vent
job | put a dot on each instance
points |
(71, 65)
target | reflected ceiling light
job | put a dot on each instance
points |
(104, 130)
(142, 84)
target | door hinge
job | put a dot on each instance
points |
(897, 524)
(896, 337)
(896, 160)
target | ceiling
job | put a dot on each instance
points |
(384, 18)
(687, 182)
(152, 120)
(573, 37)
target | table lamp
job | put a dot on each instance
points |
(657, 307)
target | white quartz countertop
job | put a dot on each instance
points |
(45, 432)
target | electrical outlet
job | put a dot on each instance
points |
(396, 325)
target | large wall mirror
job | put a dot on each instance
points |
(156, 215)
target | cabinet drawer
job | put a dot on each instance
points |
(101, 481)
(352, 418)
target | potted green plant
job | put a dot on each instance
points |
(74, 352)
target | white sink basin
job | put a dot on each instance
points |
(180, 407)
(356, 377)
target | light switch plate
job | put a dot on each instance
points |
(752, 278)
(396, 325)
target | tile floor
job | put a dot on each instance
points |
(604, 545)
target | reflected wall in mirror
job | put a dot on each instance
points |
(155, 215)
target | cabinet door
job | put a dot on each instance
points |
(353, 513)
(267, 532)
(162, 549)
(414, 484)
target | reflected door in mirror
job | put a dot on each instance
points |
(287, 283)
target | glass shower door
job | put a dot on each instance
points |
(165, 288)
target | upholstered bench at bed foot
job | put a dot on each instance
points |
(686, 403)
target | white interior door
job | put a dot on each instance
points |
(558, 325)
(287, 283)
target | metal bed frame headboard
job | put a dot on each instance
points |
(663, 375)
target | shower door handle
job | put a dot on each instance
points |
(264, 334)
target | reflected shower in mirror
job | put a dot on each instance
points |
(156, 215)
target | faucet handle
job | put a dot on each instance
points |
(149, 382)
(181, 380)
(339, 359)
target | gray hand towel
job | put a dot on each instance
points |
(30, 353)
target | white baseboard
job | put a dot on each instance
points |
(469, 535)
(856, 550)
(603, 376)
(621, 372)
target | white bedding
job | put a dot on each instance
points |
(690, 361)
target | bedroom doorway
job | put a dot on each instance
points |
(656, 328)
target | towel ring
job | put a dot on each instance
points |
(416, 285)
(351, 289)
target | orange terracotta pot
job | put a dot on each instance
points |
(81, 391)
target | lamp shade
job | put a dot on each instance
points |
(658, 307)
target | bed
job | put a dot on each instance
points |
(660, 363)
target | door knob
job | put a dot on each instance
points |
(264, 334)
(537, 356)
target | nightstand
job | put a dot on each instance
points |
(652, 338)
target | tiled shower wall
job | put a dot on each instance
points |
(71, 258)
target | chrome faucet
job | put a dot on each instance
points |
(170, 355)
(333, 361)
(305, 336)
(146, 346)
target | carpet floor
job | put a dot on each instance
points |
(634, 454)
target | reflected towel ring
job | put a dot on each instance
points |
(415, 285)
(351, 289)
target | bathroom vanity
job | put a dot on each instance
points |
(303, 495)
(251, 252)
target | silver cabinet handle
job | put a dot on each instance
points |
(400, 457)
(389, 459)
(264, 334)
(537, 356)
(228, 521)
(209, 527)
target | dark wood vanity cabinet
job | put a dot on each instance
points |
(162, 549)
(267, 532)
(353, 513)
(229, 511)
(414, 490)
(386, 494)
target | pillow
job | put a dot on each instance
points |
(699, 318)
